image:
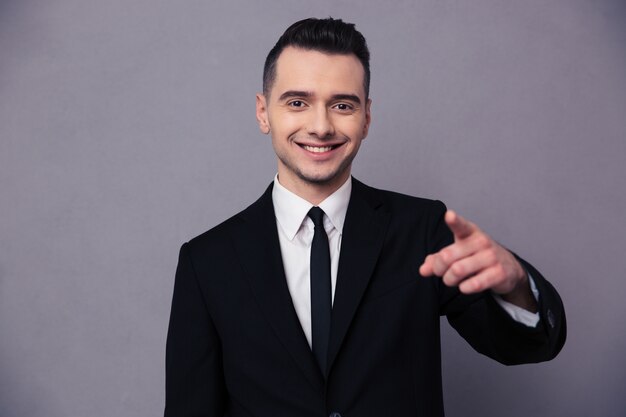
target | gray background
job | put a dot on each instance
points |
(127, 127)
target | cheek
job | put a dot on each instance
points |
(354, 129)
(285, 125)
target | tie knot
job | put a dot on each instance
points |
(317, 215)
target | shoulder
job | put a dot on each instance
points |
(218, 235)
(398, 203)
(410, 218)
(412, 222)
(250, 220)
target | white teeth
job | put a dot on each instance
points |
(317, 149)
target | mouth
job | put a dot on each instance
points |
(319, 149)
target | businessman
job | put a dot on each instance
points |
(323, 297)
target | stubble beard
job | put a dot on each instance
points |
(320, 179)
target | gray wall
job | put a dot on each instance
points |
(127, 127)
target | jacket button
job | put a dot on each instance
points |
(334, 414)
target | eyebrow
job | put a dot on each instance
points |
(295, 93)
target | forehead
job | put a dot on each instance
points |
(318, 72)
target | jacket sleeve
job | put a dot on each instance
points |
(487, 327)
(194, 378)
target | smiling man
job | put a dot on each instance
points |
(318, 113)
(324, 296)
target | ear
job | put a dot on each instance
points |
(261, 114)
(368, 117)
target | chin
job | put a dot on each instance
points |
(321, 179)
(317, 174)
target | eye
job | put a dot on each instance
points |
(296, 103)
(343, 107)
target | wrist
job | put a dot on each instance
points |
(521, 295)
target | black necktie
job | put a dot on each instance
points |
(320, 288)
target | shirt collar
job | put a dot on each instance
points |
(291, 210)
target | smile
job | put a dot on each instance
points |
(317, 149)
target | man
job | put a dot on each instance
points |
(324, 296)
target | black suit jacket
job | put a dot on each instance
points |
(235, 346)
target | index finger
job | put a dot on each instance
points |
(460, 227)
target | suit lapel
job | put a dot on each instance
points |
(258, 250)
(362, 240)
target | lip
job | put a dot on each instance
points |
(322, 150)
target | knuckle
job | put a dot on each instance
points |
(490, 280)
(499, 271)
(446, 255)
(491, 256)
(483, 241)
(437, 269)
(458, 269)
(449, 279)
(472, 285)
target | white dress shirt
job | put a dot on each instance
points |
(295, 234)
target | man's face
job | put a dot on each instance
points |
(317, 114)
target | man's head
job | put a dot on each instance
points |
(332, 36)
(315, 104)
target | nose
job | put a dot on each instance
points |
(320, 124)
